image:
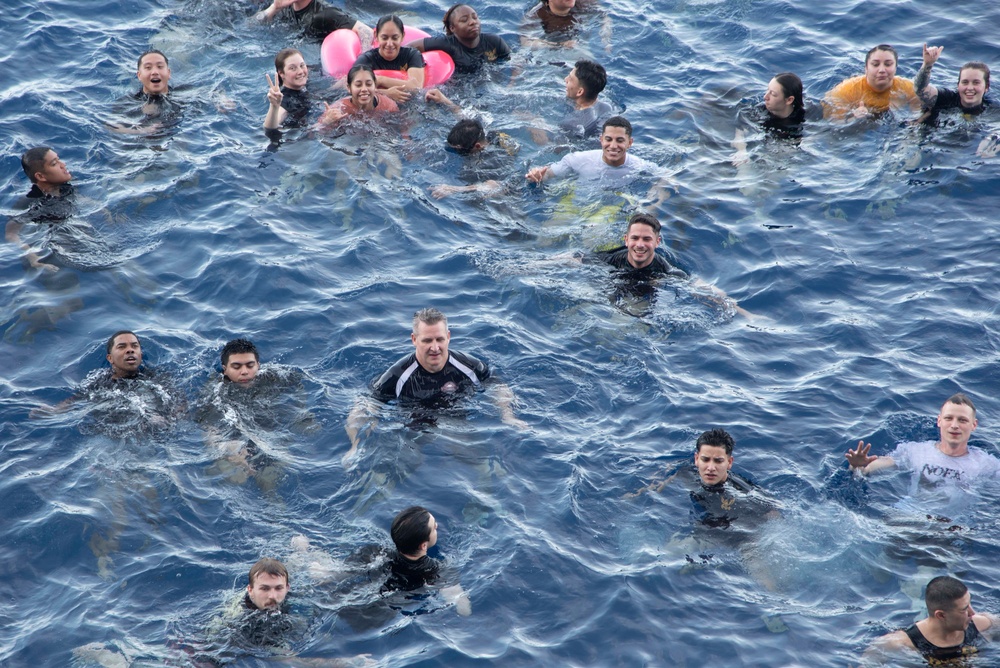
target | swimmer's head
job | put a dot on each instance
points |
(43, 166)
(789, 98)
(467, 136)
(948, 601)
(291, 68)
(713, 456)
(617, 122)
(462, 22)
(973, 82)
(269, 583)
(124, 354)
(153, 71)
(240, 361)
(430, 338)
(414, 530)
(588, 77)
(880, 67)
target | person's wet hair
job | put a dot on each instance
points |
(447, 17)
(111, 342)
(386, 19)
(279, 62)
(942, 592)
(976, 65)
(617, 122)
(33, 161)
(270, 567)
(592, 77)
(138, 63)
(357, 69)
(718, 438)
(962, 399)
(881, 47)
(791, 86)
(465, 134)
(429, 316)
(644, 219)
(238, 347)
(410, 529)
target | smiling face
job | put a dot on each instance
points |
(713, 464)
(464, 24)
(362, 88)
(390, 38)
(295, 73)
(53, 171)
(154, 74)
(431, 342)
(268, 591)
(880, 70)
(615, 143)
(776, 102)
(971, 87)
(641, 241)
(125, 356)
(956, 422)
(241, 368)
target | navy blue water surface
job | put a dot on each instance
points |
(870, 252)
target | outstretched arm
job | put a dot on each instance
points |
(362, 416)
(921, 83)
(504, 399)
(860, 459)
(455, 594)
(13, 235)
(539, 174)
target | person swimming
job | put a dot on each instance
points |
(464, 41)
(391, 55)
(287, 94)
(364, 98)
(875, 92)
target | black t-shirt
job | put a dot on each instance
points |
(734, 500)
(491, 48)
(408, 57)
(409, 574)
(406, 379)
(297, 104)
(318, 20)
(660, 266)
(43, 208)
(950, 99)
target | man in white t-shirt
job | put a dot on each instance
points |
(948, 462)
(611, 165)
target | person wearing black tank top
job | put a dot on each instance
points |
(952, 629)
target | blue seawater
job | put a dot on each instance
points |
(870, 251)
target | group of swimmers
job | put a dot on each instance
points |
(433, 372)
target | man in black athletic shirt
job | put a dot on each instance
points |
(430, 375)
(951, 630)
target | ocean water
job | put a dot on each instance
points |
(868, 252)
